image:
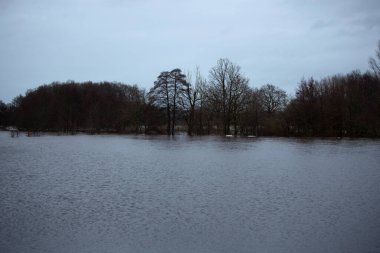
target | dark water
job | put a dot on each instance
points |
(156, 194)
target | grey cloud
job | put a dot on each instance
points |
(321, 24)
(364, 5)
(367, 21)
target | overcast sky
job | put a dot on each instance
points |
(132, 41)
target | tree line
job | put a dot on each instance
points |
(223, 103)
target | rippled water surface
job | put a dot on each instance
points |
(156, 194)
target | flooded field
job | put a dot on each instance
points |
(111, 193)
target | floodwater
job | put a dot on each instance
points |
(111, 193)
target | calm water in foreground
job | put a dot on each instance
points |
(157, 194)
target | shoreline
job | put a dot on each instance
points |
(26, 133)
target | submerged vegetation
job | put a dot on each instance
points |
(339, 105)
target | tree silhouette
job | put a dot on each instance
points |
(167, 93)
(338, 105)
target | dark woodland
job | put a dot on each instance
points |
(223, 103)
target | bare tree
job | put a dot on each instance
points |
(192, 99)
(201, 87)
(240, 95)
(218, 90)
(273, 98)
(226, 85)
(375, 64)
